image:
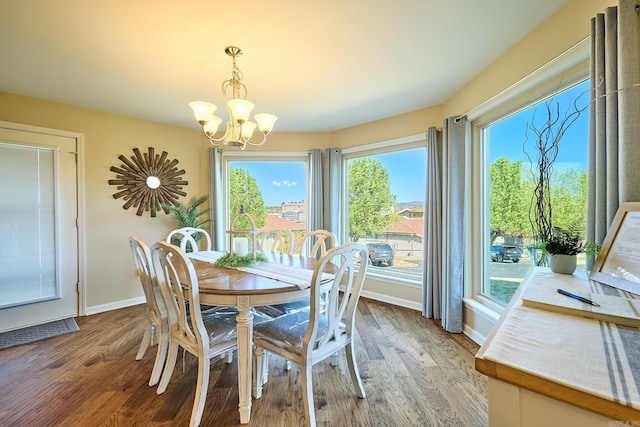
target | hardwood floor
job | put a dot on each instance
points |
(414, 373)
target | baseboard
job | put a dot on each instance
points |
(392, 300)
(114, 305)
(483, 321)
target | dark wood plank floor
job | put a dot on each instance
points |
(414, 373)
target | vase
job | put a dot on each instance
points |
(563, 264)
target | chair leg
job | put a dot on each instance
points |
(265, 371)
(161, 356)
(201, 391)
(172, 356)
(307, 394)
(146, 341)
(353, 371)
(259, 359)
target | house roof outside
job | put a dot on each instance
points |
(274, 222)
(408, 227)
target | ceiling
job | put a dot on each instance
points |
(319, 66)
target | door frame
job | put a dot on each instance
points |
(80, 196)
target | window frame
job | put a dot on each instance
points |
(266, 156)
(376, 148)
(568, 69)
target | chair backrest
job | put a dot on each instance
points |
(147, 278)
(316, 243)
(179, 285)
(189, 238)
(337, 309)
(277, 241)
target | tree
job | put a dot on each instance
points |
(244, 192)
(569, 199)
(371, 202)
(508, 198)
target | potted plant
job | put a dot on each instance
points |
(189, 215)
(561, 248)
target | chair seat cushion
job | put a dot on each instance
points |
(221, 327)
(277, 310)
(287, 332)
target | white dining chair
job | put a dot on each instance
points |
(188, 238)
(280, 241)
(157, 327)
(205, 336)
(307, 337)
(315, 243)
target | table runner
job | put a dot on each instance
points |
(294, 275)
(207, 256)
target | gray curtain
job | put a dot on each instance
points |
(614, 134)
(316, 196)
(216, 225)
(332, 182)
(443, 292)
(432, 241)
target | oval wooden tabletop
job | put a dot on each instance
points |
(229, 281)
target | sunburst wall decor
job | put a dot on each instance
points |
(147, 181)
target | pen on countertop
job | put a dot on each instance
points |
(578, 297)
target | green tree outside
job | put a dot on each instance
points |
(371, 202)
(244, 192)
(508, 199)
(511, 191)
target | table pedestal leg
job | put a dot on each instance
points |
(244, 322)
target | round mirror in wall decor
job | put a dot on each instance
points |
(147, 181)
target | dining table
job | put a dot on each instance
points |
(284, 278)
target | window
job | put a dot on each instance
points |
(498, 132)
(384, 201)
(511, 144)
(273, 190)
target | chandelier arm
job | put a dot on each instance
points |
(264, 139)
(213, 140)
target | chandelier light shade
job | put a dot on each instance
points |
(239, 129)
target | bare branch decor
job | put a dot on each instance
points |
(147, 181)
(547, 137)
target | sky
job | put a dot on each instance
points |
(407, 174)
(507, 136)
(279, 181)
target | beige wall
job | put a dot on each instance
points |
(110, 277)
(564, 29)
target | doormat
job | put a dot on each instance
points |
(37, 332)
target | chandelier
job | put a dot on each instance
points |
(239, 129)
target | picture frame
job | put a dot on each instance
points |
(618, 263)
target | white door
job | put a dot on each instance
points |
(38, 227)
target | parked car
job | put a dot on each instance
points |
(380, 253)
(505, 253)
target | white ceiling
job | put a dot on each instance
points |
(317, 65)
